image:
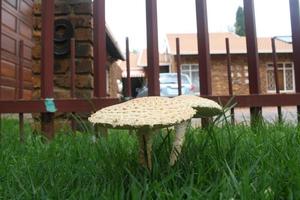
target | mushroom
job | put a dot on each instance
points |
(204, 108)
(146, 115)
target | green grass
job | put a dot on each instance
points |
(229, 162)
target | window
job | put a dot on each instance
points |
(192, 70)
(285, 77)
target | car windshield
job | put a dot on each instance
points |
(172, 78)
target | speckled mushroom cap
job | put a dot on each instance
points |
(144, 112)
(204, 107)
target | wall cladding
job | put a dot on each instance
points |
(17, 25)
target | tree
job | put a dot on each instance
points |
(240, 22)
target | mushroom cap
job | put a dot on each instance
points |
(144, 112)
(204, 107)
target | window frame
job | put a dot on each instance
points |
(270, 67)
(190, 70)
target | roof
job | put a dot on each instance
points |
(112, 46)
(139, 60)
(164, 59)
(188, 44)
(287, 39)
(135, 70)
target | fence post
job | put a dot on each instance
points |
(47, 119)
(152, 49)
(295, 23)
(72, 79)
(99, 55)
(0, 64)
(20, 87)
(252, 56)
(230, 90)
(276, 76)
(99, 49)
(203, 52)
(178, 63)
(128, 79)
(203, 48)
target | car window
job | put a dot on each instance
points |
(172, 78)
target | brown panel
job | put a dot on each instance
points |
(25, 8)
(7, 93)
(9, 20)
(8, 44)
(11, 82)
(27, 94)
(27, 75)
(27, 52)
(16, 13)
(9, 57)
(12, 3)
(8, 69)
(25, 30)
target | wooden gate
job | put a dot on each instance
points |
(16, 27)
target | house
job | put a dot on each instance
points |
(189, 62)
(137, 73)
(138, 68)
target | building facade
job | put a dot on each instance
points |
(240, 75)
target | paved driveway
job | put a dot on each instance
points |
(242, 115)
(289, 114)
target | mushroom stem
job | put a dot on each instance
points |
(145, 137)
(180, 130)
(101, 131)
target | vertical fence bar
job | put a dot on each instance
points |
(17, 71)
(99, 49)
(295, 25)
(20, 87)
(0, 63)
(72, 69)
(152, 48)
(178, 64)
(252, 56)
(128, 79)
(203, 52)
(72, 79)
(203, 48)
(230, 90)
(99, 53)
(16, 96)
(274, 56)
(47, 119)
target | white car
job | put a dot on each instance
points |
(169, 85)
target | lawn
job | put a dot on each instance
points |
(228, 162)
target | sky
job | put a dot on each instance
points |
(127, 18)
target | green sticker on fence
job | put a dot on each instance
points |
(50, 105)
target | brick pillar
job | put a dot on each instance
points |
(79, 13)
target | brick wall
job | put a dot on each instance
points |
(79, 13)
(239, 71)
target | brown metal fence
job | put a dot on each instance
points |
(255, 100)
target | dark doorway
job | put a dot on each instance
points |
(136, 83)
